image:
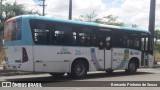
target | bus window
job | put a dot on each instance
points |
(41, 34)
(52, 33)
(108, 43)
(63, 34)
(74, 38)
(126, 40)
(105, 40)
(85, 36)
(134, 41)
(101, 40)
(12, 30)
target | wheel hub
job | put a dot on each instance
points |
(79, 69)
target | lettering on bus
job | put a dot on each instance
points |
(118, 54)
(81, 52)
(64, 50)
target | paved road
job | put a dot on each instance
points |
(92, 78)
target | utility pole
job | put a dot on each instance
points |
(152, 20)
(1, 11)
(1, 21)
(152, 16)
(70, 10)
(43, 5)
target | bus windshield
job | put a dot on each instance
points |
(12, 30)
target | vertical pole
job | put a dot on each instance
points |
(43, 7)
(1, 11)
(152, 22)
(152, 16)
(70, 10)
(1, 29)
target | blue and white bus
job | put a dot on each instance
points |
(56, 46)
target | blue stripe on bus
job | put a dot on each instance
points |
(122, 64)
(17, 42)
(95, 60)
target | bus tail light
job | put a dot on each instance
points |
(24, 55)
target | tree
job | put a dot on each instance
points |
(111, 20)
(15, 9)
(134, 26)
(9, 10)
(92, 17)
(156, 35)
(88, 17)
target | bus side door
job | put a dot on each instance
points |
(105, 49)
(146, 48)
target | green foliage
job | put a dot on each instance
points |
(157, 47)
(134, 26)
(9, 10)
(88, 17)
(157, 34)
(109, 20)
(156, 44)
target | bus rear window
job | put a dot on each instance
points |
(12, 29)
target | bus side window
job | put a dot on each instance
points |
(108, 43)
(74, 38)
(142, 43)
(101, 41)
(101, 44)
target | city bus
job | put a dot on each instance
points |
(56, 46)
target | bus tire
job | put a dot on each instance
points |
(132, 68)
(79, 69)
(109, 71)
(57, 74)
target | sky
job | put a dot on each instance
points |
(128, 11)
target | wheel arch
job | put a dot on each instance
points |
(136, 60)
(80, 59)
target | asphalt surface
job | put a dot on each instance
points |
(93, 79)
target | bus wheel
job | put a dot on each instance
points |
(132, 68)
(79, 69)
(109, 71)
(57, 74)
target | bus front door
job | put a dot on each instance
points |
(146, 59)
(105, 49)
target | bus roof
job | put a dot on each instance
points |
(83, 23)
